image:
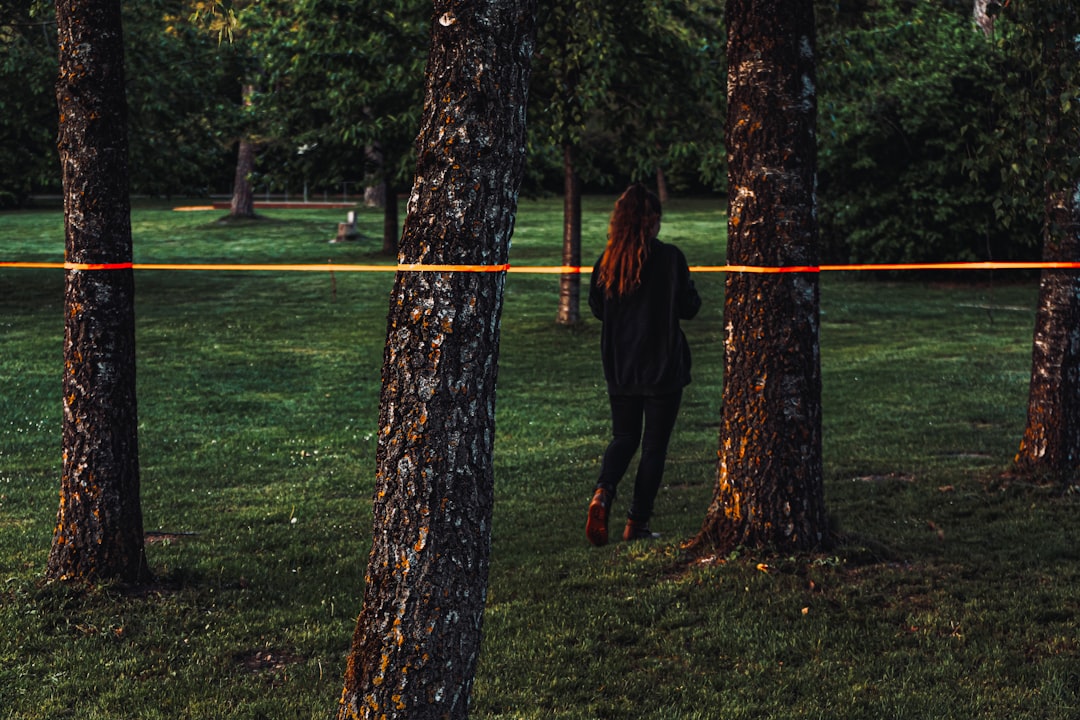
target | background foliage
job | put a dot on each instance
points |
(27, 103)
(911, 118)
(930, 133)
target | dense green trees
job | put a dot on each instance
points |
(624, 90)
(27, 103)
(926, 124)
(911, 162)
(177, 101)
(347, 81)
(178, 89)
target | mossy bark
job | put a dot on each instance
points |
(417, 638)
(99, 533)
(769, 475)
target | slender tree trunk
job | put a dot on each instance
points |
(99, 532)
(661, 185)
(570, 283)
(1051, 442)
(390, 219)
(243, 197)
(375, 193)
(769, 476)
(417, 638)
(983, 18)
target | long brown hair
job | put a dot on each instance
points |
(629, 233)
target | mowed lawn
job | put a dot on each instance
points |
(955, 592)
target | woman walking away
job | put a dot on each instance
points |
(640, 289)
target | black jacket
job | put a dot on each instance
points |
(643, 349)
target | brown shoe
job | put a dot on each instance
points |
(596, 526)
(638, 531)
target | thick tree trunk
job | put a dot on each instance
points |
(570, 283)
(99, 533)
(769, 476)
(1050, 446)
(415, 649)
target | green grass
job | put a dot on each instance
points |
(258, 400)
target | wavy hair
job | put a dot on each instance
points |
(632, 227)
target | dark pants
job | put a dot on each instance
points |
(627, 414)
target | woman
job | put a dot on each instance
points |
(640, 289)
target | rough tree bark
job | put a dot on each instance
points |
(570, 283)
(769, 476)
(99, 533)
(417, 638)
(1050, 446)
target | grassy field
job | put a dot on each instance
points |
(956, 595)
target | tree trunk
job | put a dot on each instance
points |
(99, 533)
(982, 16)
(661, 185)
(769, 476)
(417, 637)
(376, 188)
(375, 195)
(243, 196)
(570, 283)
(1050, 446)
(390, 219)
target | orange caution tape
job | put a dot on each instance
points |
(98, 266)
(31, 265)
(541, 269)
(759, 269)
(958, 266)
(69, 265)
(872, 267)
